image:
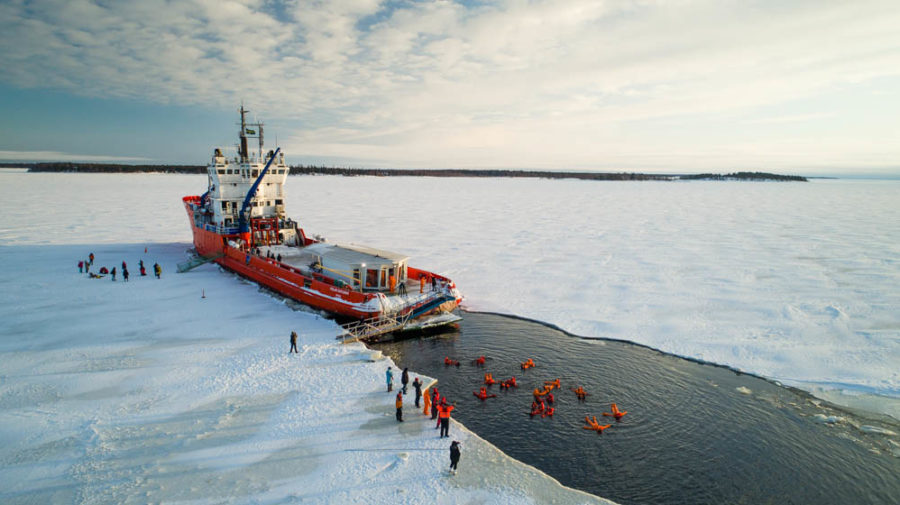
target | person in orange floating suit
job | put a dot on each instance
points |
(580, 393)
(448, 361)
(618, 414)
(552, 384)
(482, 394)
(509, 383)
(528, 364)
(548, 412)
(537, 407)
(539, 393)
(480, 361)
(489, 379)
(593, 425)
(550, 398)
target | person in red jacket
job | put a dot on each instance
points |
(444, 413)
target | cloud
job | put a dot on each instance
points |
(507, 83)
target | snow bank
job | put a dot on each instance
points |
(144, 391)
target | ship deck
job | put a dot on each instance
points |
(302, 259)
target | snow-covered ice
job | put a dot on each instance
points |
(147, 392)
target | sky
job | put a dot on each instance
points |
(680, 86)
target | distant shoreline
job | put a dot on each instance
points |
(67, 167)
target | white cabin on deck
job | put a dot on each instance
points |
(360, 266)
(230, 180)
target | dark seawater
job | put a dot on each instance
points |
(690, 435)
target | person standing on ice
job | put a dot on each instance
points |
(389, 378)
(417, 385)
(435, 398)
(81, 267)
(157, 270)
(404, 379)
(445, 418)
(113, 272)
(124, 275)
(454, 456)
(294, 342)
(91, 258)
(399, 404)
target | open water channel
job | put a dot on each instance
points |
(694, 433)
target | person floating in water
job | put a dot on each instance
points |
(479, 361)
(618, 414)
(580, 393)
(528, 364)
(509, 383)
(552, 384)
(450, 362)
(489, 379)
(482, 394)
(593, 425)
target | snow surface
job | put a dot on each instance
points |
(146, 392)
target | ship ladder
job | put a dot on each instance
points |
(372, 327)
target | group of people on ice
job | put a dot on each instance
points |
(84, 266)
(434, 404)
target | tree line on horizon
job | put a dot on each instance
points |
(72, 167)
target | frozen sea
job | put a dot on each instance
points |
(796, 282)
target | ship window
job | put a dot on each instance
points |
(224, 205)
(221, 171)
(254, 173)
(278, 202)
(383, 278)
(371, 278)
(356, 276)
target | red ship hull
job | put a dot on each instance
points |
(287, 280)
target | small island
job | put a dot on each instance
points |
(744, 176)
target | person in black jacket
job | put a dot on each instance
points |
(404, 379)
(454, 456)
(417, 385)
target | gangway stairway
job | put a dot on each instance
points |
(376, 326)
(196, 261)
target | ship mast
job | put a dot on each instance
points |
(246, 133)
